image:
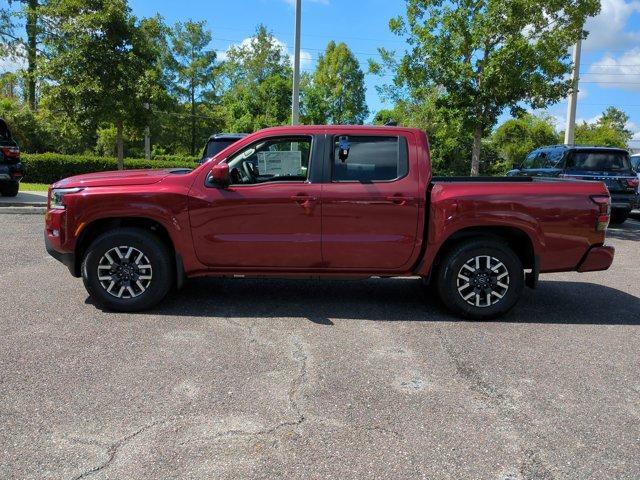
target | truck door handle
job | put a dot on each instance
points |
(400, 200)
(303, 198)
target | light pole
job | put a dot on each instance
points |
(569, 133)
(295, 99)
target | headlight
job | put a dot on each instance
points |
(57, 195)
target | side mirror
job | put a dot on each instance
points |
(220, 174)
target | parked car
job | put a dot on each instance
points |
(219, 142)
(11, 169)
(635, 164)
(325, 202)
(603, 164)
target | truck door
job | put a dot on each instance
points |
(269, 217)
(370, 203)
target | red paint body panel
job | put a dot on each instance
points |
(597, 259)
(305, 229)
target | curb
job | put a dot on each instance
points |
(23, 210)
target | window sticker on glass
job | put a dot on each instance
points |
(280, 163)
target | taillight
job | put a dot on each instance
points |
(11, 152)
(633, 182)
(604, 211)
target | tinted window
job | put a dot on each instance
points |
(275, 159)
(216, 146)
(635, 163)
(547, 158)
(370, 159)
(599, 161)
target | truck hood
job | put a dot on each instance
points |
(116, 178)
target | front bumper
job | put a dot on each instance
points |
(597, 259)
(68, 259)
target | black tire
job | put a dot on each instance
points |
(494, 300)
(154, 250)
(9, 189)
(619, 216)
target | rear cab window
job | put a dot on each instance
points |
(369, 158)
(599, 161)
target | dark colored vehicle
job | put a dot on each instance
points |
(219, 142)
(603, 164)
(11, 169)
(324, 202)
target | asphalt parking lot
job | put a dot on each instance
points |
(241, 379)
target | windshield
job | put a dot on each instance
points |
(599, 161)
(214, 147)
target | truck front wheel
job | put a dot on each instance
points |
(127, 270)
(480, 279)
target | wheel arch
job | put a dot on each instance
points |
(517, 239)
(95, 228)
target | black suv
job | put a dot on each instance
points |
(219, 142)
(11, 169)
(604, 164)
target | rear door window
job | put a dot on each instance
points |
(599, 161)
(369, 158)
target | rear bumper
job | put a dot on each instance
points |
(11, 172)
(623, 201)
(596, 259)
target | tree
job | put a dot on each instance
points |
(488, 55)
(599, 134)
(193, 66)
(33, 30)
(104, 64)
(336, 92)
(516, 137)
(257, 77)
(616, 119)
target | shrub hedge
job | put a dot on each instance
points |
(51, 167)
(176, 158)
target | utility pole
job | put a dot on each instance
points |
(295, 100)
(569, 133)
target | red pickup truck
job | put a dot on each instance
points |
(329, 202)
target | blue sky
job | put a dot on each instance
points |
(610, 72)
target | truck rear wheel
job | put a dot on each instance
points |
(480, 279)
(619, 216)
(127, 270)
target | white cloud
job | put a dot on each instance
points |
(607, 30)
(621, 72)
(247, 44)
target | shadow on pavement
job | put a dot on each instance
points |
(629, 230)
(395, 299)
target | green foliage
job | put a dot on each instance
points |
(516, 137)
(617, 120)
(487, 55)
(101, 63)
(600, 134)
(257, 77)
(193, 69)
(335, 93)
(51, 167)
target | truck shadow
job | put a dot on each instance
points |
(384, 300)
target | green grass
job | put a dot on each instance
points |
(33, 187)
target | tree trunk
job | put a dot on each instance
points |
(120, 145)
(32, 45)
(475, 152)
(193, 120)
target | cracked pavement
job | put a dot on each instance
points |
(262, 379)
